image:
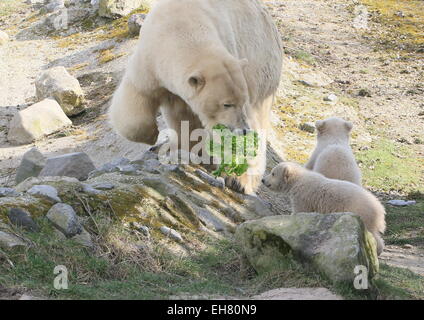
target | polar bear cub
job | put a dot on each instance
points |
(333, 156)
(310, 191)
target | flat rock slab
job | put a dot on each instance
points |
(332, 244)
(45, 191)
(77, 165)
(298, 294)
(37, 121)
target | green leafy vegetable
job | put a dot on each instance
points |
(232, 150)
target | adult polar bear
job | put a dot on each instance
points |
(206, 62)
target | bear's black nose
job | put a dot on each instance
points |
(263, 181)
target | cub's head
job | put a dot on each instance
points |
(218, 93)
(283, 176)
(334, 128)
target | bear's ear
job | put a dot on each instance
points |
(287, 173)
(196, 81)
(243, 63)
(320, 125)
(348, 125)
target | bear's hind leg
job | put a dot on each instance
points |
(133, 115)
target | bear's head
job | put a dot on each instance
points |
(218, 93)
(334, 128)
(283, 176)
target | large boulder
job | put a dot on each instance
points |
(333, 244)
(119, 8)
(37, 121)
(77, 165)
(31, 165)
(60, 85)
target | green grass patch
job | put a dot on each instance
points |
(305, 57)
(387, 166)
(405, 225)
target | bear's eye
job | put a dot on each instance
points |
(229, 105)
(272, 174)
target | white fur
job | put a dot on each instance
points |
(193, 57)
(312, 192)
(333, 156)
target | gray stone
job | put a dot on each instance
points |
(332, 244)
(89, 189)
(257, 205)
(77, 165)
(4, 38)
(135, 23)
(8, 192)
(401, 203)
(308, 127)
(103, 186)
(120, 8)
(210, 220)
(110, 167)
(210, 179)
(46, 191)
(171, 233)
(22, 219)
(64, 218)
(298, 294)
(83, 238)
(31, 165)
(60, 85)
(32, 181)
(37, 121)
(331, 97)
(10, 242)
(55, 5)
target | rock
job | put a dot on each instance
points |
(64, 218)
(119, 8)
(60, 85)
(332, 244)
(9, 241)
(134, 23)
(103, 186)
(112, 166)
(171, 233)
(90, 190)
(55, 5)
(63, 19)
(331, 97)
(77, 165)
(401, 203)
(364, 93)
(209, 179)
(32, 181)
(408, 246)
(46, 191)
(83, 238)
(37, 121)
(4, 38)
(31, 165)
(298, 294)
(308, 127)
(141, 228)
(8, 192)
(22, 219)
(256, 204)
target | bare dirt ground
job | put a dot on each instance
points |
(324, 50)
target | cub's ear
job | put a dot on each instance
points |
(348, 125)
(287, 173)
(196, 80)
(320, 125)
(243, 63)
